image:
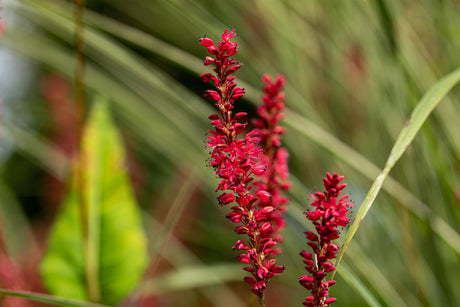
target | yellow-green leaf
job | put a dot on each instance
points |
(102, 256)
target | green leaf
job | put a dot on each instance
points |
(102, 260)
(358, 285)
(424, 108)
(194, 277)
(49, 299)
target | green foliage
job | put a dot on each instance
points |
(114, 249)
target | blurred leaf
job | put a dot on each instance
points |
(49, 299)
(186, 261)
(116, 250)
(190, 277)
(373, 274)
(38, 149)
(356, 283)
(17, 233)
(426, 105)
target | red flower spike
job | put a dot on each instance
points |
(274, 179)
(236, 160)
(329, 212)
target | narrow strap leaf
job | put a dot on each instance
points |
(49, 299)
(424, 108)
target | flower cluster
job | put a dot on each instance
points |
(274, 180)
(235, 161)
(2, 26)
(329, 215)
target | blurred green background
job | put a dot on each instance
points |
(354, 69)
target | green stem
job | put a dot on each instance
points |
(253, 301)
(262, 300)
(92, 282)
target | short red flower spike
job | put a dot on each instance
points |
(274, 179)
(330, 212)
(2, 26)
(235, 160)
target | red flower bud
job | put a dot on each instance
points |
(206, 42)
(213, 95)
(264, 196)
(209, 60)
(266, 227)
(259, 170)
(226, 198)
(244, 258)
(239, 115)
(306, 255)
(311, 236)
(250, 280)
(267, 210)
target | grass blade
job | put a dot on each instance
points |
(354, 282)
(412, 126)
(49, 299)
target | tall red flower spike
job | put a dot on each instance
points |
(329, 214)
(274, 180)
(235, 160)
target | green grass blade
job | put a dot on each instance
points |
(38, 149)
(17, 233)
(346, 273)
(412, 126)
(354, 159)
(49, 299)
(189, 277)
(375, 277)
(179, 255)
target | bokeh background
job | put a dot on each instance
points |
(354, 70)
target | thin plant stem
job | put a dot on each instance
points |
(256, 298)
(262, 300)
(91, 275)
